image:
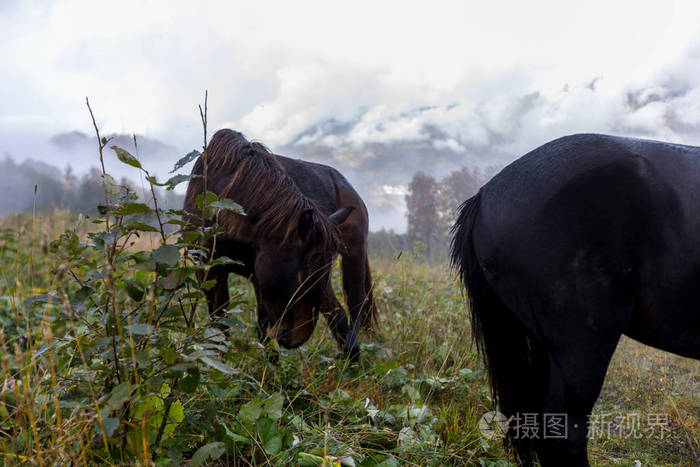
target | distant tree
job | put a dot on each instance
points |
(90, 193)
(422, 212)
(432, 206)
(69, 182)
(454, 189)
(26, 185)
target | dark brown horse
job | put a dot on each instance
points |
(299, 216)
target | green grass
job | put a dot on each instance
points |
(416, 399)
(645, 382)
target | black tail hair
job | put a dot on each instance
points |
(517, 363)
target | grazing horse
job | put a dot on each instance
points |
(574, 244)
(299, 216)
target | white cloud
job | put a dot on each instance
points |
(145, 62)
(489, 80)
(450, 144)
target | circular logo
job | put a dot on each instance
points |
(493, 425)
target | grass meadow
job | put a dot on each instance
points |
(84, 381)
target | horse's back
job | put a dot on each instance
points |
(538, 176)
(596, 174)
(597, 221)
(329, 189)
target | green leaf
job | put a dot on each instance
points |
(142, 357)
(227, 204)
(180, 178)
(411, 392)
(211, 451)
(126, 157)
(269, 435)
(167, 254)
(144, 261)
(110, 425)
(251, 411)
(224, 260)
(199, 200)
(195, 294)
(190, 382)
(109, 184)
(273, 406)
(152, 180)
(70, 241)
(389, 462)
(119, 395)
(217, 365)
(102, 238)
(173, 280)
(132, 208)
(236, 437)
(29, 302)
(179, 222)
(176, 414)
(41, 350)
(189, 157)
(466, 373)
(287, 437)
(80, 295)
(189, 236)
(168, 355)
(134, 290)
(140, 226)
(233, 323)
(139, 329)
(305, 459)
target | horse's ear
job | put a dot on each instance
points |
(341, 215)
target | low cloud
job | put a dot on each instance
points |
(381, 147)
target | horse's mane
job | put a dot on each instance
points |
(257, 181)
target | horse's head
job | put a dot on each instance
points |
(291, 277)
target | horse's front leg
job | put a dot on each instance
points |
(357, 293)
(217, 296)
(263, 319)
(338, 322)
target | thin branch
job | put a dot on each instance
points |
(155, 198)
(97, 131)
(203, 116)
(101, 148)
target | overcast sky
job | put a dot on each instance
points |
(377, 89)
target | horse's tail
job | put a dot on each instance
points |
(516, 361)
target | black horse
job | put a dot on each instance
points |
(570, 246)
(299, 216)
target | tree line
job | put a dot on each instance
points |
(431, 205)
(36, 185)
